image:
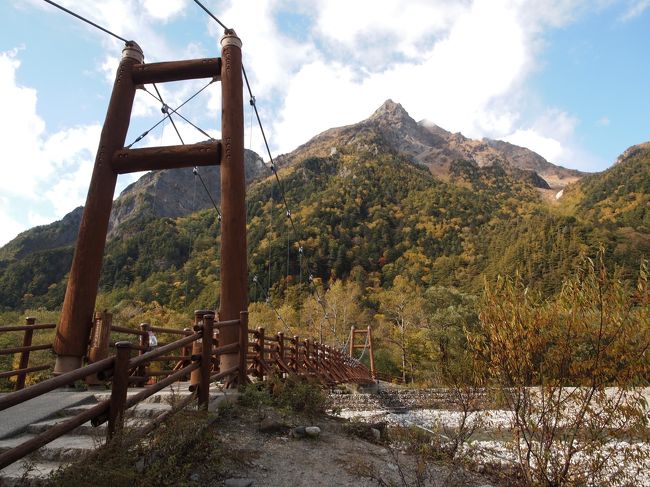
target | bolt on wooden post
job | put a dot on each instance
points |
(234, 271)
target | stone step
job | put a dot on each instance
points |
(65, 448)
(27, 472)
(169, 394)
(141, 410)
(84, 429)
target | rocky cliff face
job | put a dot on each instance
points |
(168, 193)
(175, 192)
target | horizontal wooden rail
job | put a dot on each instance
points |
(31, 348)
(152, 389)
(134, 347)
(27, 370)
(166, 157)
(48, 385)
(222, 324)
(42, 326)
(231, 347)
(130, 331)
(176, 71)
(160, 351)
(172, 358)
(225, 373)
(171, 331)
(33, 444)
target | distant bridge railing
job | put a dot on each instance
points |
(279, 355)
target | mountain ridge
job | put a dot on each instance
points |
(363, 207)
(390, 127)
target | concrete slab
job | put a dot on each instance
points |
(17, 418)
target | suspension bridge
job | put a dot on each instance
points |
(218, 347)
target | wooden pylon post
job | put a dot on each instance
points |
(234, 272)
(75, 323)
(372, 354)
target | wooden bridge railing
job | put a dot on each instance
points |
(268, 355)
(25, 350)
(199, 357)
(118, 368)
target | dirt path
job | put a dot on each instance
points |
(332, 459)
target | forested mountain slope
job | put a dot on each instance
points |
(370, 206)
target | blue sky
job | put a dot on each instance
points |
(566, 78)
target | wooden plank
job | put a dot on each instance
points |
(166, 157)
(176, 70)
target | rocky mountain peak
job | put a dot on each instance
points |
(391, 112)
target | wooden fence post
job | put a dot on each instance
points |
(243, 346)
(259, 346)
(197, 347)
(99, 343)
(119, 388)
(281, 352)
(372, 354)
(24, 356)
(295, 353)
(206, 360)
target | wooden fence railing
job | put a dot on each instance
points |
(283, 355)
(118, 368)
(25, 350)
(196, 355)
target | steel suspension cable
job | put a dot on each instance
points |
(272, 165)
(179, 114)
(173, 111)
(90, 22)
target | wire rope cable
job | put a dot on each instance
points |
(90, 22)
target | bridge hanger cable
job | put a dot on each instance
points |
(272, 166)
(189, 248)
(165, 110)
(195, 170)
(97, 26)
(210, 14)
(172, 111)
(267, 300)
(144, 88)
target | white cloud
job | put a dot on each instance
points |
(548, 147)
(269, 56)
(164, 9)
(550, 135)
(634, 9)
(9, 227)
(482, 57)
(44, 175)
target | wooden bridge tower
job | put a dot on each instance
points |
(367, 344)
(112, 159)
